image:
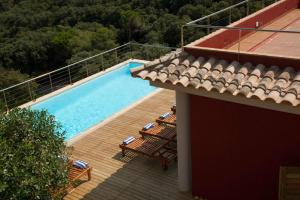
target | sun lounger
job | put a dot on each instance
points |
(289, 183)
(75, 174)
(161, 131)
(153, 148)
(170, 119)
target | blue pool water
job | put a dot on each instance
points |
(88, 104)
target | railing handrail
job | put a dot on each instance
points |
(207, 18)
(151, 45)
(245, 29)
(215, 13)
(81, 61)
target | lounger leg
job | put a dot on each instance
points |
(164, 164)
(123, 152)
(89, 174)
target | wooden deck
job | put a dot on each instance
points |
(134, 177)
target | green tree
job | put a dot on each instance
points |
(17, 95)
(104, 38)
(130, 22)
(32, 149)
(9, 77)
(28, 52)
(61, 49)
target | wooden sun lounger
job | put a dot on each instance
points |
(153, 148)
(289, 183)
(171, 119)
(161, 131)
(74, 175)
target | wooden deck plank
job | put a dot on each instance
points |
(131, 177)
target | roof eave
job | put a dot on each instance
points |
(254, 102)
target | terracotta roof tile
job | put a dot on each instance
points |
(280, 85)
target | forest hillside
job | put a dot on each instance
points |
(39, 36)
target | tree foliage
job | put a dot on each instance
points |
(11, 77)
(31, 151)
(39, 36)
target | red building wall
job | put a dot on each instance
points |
(237, 150)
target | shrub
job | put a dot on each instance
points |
(31, 150)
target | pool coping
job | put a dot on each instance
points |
(76, 84)
(83, 134)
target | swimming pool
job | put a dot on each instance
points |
(88, 104)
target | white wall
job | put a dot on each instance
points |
(183, 141)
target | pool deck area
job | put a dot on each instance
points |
(131, 177)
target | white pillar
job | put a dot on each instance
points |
(183, 141)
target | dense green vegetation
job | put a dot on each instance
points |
(32, 152)
(39, 36)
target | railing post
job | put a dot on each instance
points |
(51, 84)
(182, 39)
(70, 78)
(99, 64)
(247, 8)
(131, 54)
(29, 90)
(230, 16)
(239, 44)
(147, 56)
(5, 101)
(117, 56)
(208, 24)
(102, 62)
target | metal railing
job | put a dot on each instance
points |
(228, 9)
(221, 18)
(286, 41)
(284, 44)
(36, 87)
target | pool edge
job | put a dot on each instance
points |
(78, 83)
